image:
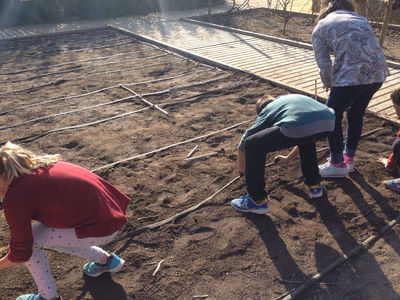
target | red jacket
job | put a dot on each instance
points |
(391, 163)
(61, 196)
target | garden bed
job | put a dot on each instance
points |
(82, 95)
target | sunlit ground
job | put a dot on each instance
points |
(295, 5)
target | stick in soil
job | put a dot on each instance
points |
(139, 231)
(363, 246)
(315, 90)
(191, 152)
(144, 100)
(136, 232)
(158, 267)
(202, 156)
(284, 295)
(301, 282)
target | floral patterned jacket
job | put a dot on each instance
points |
(358, 57)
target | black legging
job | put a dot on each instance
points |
(269, 140)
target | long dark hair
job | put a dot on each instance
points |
(329, 6)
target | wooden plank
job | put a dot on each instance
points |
(267, 65)
(382, 107)
(302, 69)
(385, 92)
(201, 45)
(254, 43)
(376, 101)
(381, 89)
(240, 55)
(240, 52)
(279, 66)
(388, 86)
(257, 65)
(307, 82)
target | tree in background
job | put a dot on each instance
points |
(285, 12)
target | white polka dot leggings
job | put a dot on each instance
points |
(61, 240)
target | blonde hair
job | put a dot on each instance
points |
(16, 161)
(329, 6)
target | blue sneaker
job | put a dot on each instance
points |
(246, 204)
(316, 191)
(33, 297)
(393, 184)
(114, 264)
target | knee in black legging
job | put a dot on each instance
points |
(252, 145)
(249, 144)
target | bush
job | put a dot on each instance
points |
(26, 12)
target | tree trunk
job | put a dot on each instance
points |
(385, 23)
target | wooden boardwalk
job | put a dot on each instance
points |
(285, 63)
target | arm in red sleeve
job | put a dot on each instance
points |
(18, 217)
(391, 163)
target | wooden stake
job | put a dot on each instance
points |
(315, 90)
(201, 156)
(301, 282)
(174, 217)
(385, 23)
(364, 245)
(191, 152)
(171, 146)
(144, 100)
(158, 267)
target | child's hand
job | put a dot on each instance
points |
(382, 160)
(281, 159)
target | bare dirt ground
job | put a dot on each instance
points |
(63, 95)
(299, 27)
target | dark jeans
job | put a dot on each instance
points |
(396, 151)
(354, 100)
(269, 140)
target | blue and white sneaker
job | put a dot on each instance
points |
(393, 184)
(246, 204)
(316, 191)
(114, 264)
(33, 297)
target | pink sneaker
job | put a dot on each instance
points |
(349, 161)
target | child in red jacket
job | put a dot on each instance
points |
(49, 203)
(393, 162)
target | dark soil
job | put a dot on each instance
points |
(215, 250)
